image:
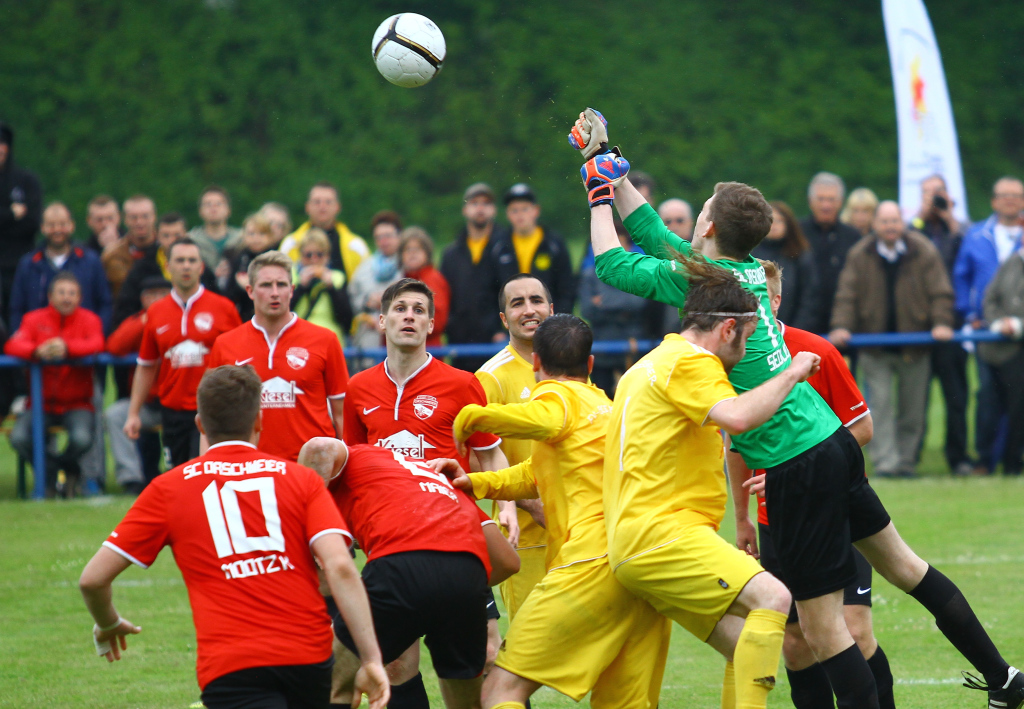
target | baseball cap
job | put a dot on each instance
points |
(154, 283)
(478, 189)
(520, 190)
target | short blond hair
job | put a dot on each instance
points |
(259, 223)
(860, 197)
(316, 237)
(772, 277)
(268, 258)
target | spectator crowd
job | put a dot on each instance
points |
(852, 265)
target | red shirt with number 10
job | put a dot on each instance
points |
(240, 523)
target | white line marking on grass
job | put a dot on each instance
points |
(927, 680)
(965, 560)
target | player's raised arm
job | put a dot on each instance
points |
(539, 419)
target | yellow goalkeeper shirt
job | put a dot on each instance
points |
(664, 459)
(507, 378)
(567, 422)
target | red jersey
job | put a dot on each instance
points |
(833, 382)
(395, 505)
(300, 371)
(65, 387)
(182, 333)
(126, 339)
(414, 419)
(240, 523)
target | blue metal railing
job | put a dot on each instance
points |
(378, 353)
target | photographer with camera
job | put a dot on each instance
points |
(949, 359)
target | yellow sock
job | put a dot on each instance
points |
(757, 657)
(729, 687)
(509, 705)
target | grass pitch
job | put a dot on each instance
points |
(969, 528)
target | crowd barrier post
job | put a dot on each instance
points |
(35, 372)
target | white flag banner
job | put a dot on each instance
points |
(924, 117)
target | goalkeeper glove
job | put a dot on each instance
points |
(601, 175)
(590, 134)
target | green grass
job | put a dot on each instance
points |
(968, 527)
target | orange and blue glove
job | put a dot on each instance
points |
(589, 134)
(601, 175)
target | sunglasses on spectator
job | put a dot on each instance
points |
(313, 254)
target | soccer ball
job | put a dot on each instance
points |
(408, 49)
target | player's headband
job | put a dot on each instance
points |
(751, 314)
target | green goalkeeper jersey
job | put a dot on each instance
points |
(804, 419)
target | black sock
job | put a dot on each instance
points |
(851, 680)
(879, 665)
(956, 620)
(409, 695)
(809, 688)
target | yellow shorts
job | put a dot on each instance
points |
(517, 587)
(692, 579)
(580, 630)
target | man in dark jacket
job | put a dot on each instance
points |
(470, 267)
(534, 249)
(21, 207)
(894, 281)
(829, 238)
(949, 359)
(37, 268)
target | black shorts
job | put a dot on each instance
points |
(435, 595)
(278, 687)
(492, 606)
(819, 503)
(857, 593)
(181, 436)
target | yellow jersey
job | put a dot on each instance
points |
(567, 422)
(663, 458)
(507, 378)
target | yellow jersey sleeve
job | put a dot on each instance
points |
(542, 418)
(491, 385)
(698, 382)
(515, 483)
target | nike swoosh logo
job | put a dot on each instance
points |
(240, 362)
(489, 604)
(162, 329)
(370, 411)
(862, 591)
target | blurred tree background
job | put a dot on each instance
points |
(266, 97)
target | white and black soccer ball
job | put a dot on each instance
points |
(408, 49)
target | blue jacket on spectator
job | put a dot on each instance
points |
(35, 271)
(976, 265)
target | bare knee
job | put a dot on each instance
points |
(772, 594)
(795, 650)
(858, 620)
